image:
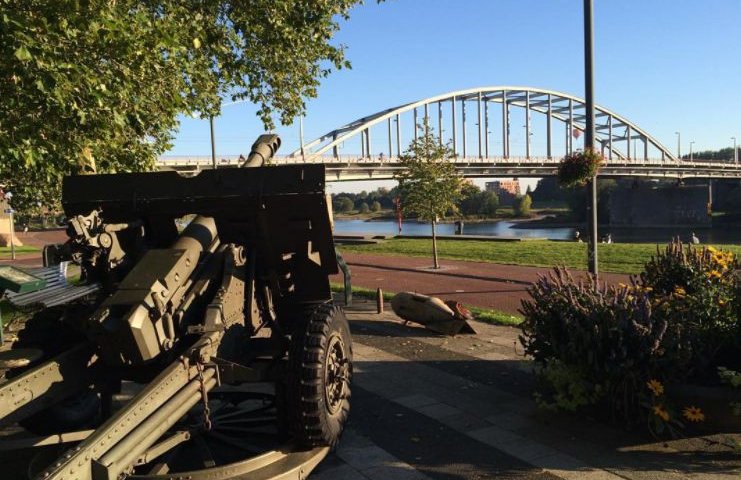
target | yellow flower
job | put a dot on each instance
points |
(712, 249)
(721, 302)
(655, 386)
(713, 274)
(660, 412)
(693, 414)
(680, 292)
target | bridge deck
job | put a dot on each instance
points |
(353, 167)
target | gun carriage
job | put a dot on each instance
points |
(209, 351)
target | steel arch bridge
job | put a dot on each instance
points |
(382, 136)
(612, 131)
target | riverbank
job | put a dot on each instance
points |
(618, 258)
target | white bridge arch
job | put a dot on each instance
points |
(613, 132)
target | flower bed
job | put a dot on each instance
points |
(619, 346)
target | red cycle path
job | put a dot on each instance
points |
(488, 285)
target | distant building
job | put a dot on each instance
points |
(506, 190)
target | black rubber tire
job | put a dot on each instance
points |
(314, 418)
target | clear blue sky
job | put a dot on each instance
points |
(666, 65)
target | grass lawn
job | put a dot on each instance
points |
(616, 257)
(482, 314)
(5, 251)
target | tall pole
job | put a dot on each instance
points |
(301, 134)
(691, 155)
(679, 145)
(213, 142)
(589, 137)
(735, 152)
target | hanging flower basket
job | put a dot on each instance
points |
(576, 169)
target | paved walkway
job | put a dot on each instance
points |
(431, 407)
(489, 285)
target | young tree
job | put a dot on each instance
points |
(428, 183)
(375, 206)
(101, 83)
(364, 208)
(522, 207)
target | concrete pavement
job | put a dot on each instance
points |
(431, 407)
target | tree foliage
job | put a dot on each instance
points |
(428, 182)
(474, 201)
(100, 83)
(523, 205)
(344, 204)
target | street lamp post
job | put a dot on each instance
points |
(735, 152)
(679, 146)
(589, 137)
(691, 157)
(213, 141)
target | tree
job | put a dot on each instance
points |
(470, 198)
(375, 206)
(428, 182)
(98, 84)
(345, 205)
(489, 203)
(364, 208)
(522, 207)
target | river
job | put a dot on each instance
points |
(504, 229)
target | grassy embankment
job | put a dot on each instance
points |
(617, 257)
(5, 251)
(482, 314)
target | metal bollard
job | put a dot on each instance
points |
(379, 300)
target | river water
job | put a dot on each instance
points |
(504, 229)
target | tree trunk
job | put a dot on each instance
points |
(434, 246)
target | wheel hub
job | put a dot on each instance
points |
(335, 376)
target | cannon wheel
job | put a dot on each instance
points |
(318, 378)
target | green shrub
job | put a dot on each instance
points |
(618, 345)
(605, 334)
(696, 290)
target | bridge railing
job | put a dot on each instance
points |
(380, 160)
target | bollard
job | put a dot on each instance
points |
(379, 300)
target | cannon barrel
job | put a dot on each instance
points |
(262, 150)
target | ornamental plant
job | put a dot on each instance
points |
(577, 168)
(601, 343)
(615, 347)
(697, 291)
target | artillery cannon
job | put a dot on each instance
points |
(211, 352)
